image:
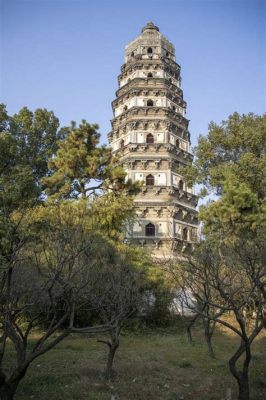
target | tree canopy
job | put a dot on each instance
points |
(226, 273)
(27, 141)
(52, 232)
(230, 162)
(82, 167)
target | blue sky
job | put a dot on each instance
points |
(65, 55)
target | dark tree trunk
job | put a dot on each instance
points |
(110, 360)
(7, 392)
(113, 345)
(241, 376)
(189, 326)
(9, 387)
(210, 348)
(243, 387)
(189, 335)
(208, 332)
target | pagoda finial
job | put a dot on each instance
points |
(150, 25)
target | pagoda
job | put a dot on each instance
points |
(151, 139)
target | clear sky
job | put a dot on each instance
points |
(65, 55)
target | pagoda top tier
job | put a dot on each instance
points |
(150, 42)
(150, 25)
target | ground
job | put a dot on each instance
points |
(158, 365)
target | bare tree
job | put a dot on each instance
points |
(115, 291)
(41, 285)
(208, 325)
(189, 305)
(229, 279)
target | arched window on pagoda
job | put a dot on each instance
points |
(185, 234)
(174, 108)
(150, 230)
(177, 143)
(150, 75)
(150, 103)
(150, 138)
(181, 185)
(149, 51)
(122, 143)
(125, 108)
(150, 180)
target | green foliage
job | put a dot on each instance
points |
(159, 291)
(110, 214)
(34, 138)
(71, 164)
(36, 134)
(82, 167)
(108, 249)
(62, 251)
(27, 141)
(239, 208)
(230, 162)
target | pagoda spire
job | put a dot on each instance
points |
(150, 25)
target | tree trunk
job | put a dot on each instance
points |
(7, 391)
(210, 348)
(189, 336)
(9, 387)
(208, 332)
(189, 326)
(109, 366)
(243, 387)
(241, 376)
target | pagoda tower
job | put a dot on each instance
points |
(151, 139)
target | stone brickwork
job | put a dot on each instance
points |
(151, 138)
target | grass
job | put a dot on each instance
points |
(161, 365)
